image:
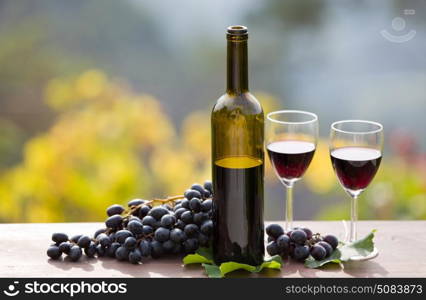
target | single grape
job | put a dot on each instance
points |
(122, 235)
(135, 202)
(146, 230)
(191, 230)
(90, 251)
(177, 249)
(200, 217)
(115, 209)
(98, 232)
(206, 206)
(162, 234)
(168, 246)
(114, 222)
(203, 240)
(65, 247)
(187, 217)
(298, 236)
(274, 230)
(84, 241)
(327, 247)
(283, 243)
(112, 236)
(189, 194)
(272, 248)
(185, 203)
(308, 233)
(332, 240)
(157, 212)
(110, 252)
(75, 253)
(135, 256)
(179, 212)
(176, 207)
(145, 248)
(190, 245)
(130, 243)
(149, 220)
(156, 249)
(318, 252)
(143, 211)
(208, 185)
(75, 238)
(206, 194)
(180, 224)
(197, 187)
(300, 253)
(177, 235)
(195, 204)
(207, 227)
(104, 240)
(59, 237)
(100, 251)
(122, 253)
(53, 252)
(168, 221)
(135, 227)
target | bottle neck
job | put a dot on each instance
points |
(237, 67)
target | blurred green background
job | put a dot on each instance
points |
(104, 101)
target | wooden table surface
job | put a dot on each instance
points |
(23, 254)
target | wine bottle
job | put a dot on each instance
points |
(238, 162)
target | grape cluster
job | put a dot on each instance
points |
(299, 243)
(179, 224)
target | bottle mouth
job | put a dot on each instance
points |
(237, 32)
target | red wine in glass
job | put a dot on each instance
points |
(290, 158)
(355, 166)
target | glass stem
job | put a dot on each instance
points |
(354, 219)
(289, 208)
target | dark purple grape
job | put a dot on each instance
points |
(115, 209)
(84, 241)
(274, 230)
(308, 233)
(300, 253)
(203, 240)
(191, 245)
(59, 237)
(98, 232)
(206, 206)
(149, 220)
(298, 236)
(75, 253)
(179, 212)
(332, 240)
(168, 221)
(122, 253)
(168, 246)
(143, 211)
(146, 230)
(53, 252)
(145, 248)
(327, 248)
(65, 247)
(177, 235)
(114, 222)
(185, 203)
(318, 252)
(283, 243)
(100, 251)
(157, 212)
(189, 194)
(191, 230)
(90, 251)
(135, 256)
(207, 227)
(110, 252)
(135, 227)
(272, 248)
(104, 240)
(200, 217)
(156, 249)
(208, 185)
(135, 202)
(180, 224)
(195, 204)
(122, 235)
(162, 234)
(187, 217)
(130, 243)
(75, 238)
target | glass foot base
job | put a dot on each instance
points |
(370, 256)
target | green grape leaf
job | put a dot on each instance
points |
(204, 256)
(361, 247)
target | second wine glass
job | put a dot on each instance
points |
(291, 139)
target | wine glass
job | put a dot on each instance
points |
(291, 139)
(356, 152)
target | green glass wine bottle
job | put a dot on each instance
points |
(237, 124)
